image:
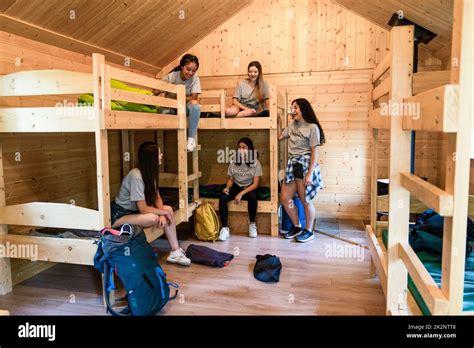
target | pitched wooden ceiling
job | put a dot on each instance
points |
(434, 15)
(150, 33)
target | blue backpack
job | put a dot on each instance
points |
(127, 254)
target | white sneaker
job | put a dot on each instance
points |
(191, 144)
(224, 234)
(253, 230)
(179, 257)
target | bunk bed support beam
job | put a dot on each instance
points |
(373, 184)
(380, 262)
(429, 290)
(438, 111)
(5, 266)
(399, 198)
(431, 195)
(457, 173)
(182, 155)
(101, 76)
(273, 159)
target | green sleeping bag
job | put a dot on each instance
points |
(88, 99)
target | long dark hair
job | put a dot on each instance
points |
(310, 116)
(251, 154)
(148, 164)
(187, 58)
(260, 86)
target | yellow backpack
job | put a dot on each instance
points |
(206, 223)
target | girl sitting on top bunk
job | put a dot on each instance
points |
(303, 177)
(251, 95)
(139, 203)
(185, 74)
(244, 174)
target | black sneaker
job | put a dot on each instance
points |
(282, 232)
(305, 236)
(293, 232)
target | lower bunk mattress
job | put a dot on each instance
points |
(432, 263)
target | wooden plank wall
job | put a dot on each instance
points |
(294, 36)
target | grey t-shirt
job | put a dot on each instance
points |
(243, 174)
(244, 93)
(193, 85)
(131, 190)
(302, 136)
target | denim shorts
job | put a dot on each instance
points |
(117, 211)
(298, 171)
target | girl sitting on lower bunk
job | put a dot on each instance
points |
(303, 177)
(251, 95)
(139, 203)
(244, 174)
(186, 74)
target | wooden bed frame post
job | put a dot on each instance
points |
(126, 165)
(273, 139)
(101, 80)
(373, 191)
(222, 102)
(399, 198)
(458, 159)
(5, 267)
(373, 177)
(160, 140)
(182, 153)
(196, 171)
(282, 145)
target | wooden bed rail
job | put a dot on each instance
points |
(45, 82)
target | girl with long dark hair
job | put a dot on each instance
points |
(139, 203)
(244, 174)
(186, 74)
(251, 95)
(303, 176)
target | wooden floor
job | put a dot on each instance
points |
(326, 276)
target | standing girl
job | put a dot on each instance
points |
(251, 95)
(139, 203)
(244, 174)
(303, 177)
(185, 74)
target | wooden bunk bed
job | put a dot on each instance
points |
(97, 119)
(214, 101)
(445, 108)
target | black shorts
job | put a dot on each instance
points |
(298, 171)
(117, 211)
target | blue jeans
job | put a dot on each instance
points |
(193, 111)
